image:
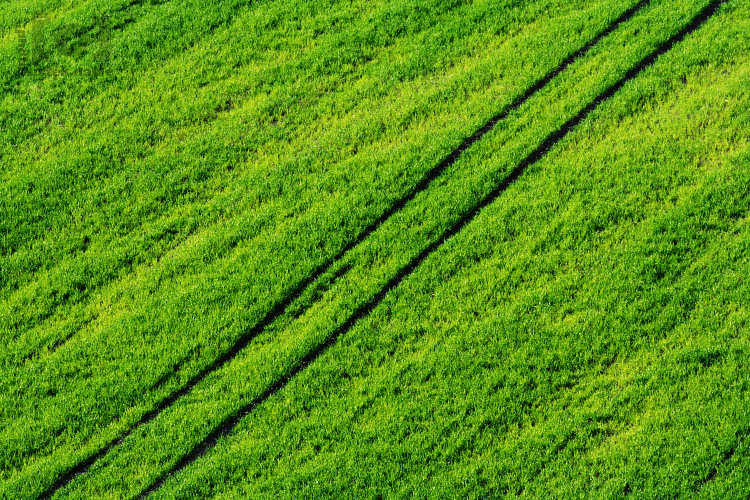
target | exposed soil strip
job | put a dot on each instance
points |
(280, 308)
(226, 426)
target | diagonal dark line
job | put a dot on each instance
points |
(228, 424)
(281, 307)
(726, 457)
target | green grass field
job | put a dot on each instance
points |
(415, 248)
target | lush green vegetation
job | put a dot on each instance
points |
(170, 174)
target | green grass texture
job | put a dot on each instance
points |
(345, 249)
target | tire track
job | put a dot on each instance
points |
(228, 424)
(324, 271)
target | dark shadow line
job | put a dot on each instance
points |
(59, 342)
(229, 423)
(176, 367)
(715, 469)
(317, 291)
(280, 307)
(127, 264)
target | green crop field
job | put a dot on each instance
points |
(344, 249)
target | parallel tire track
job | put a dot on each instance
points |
(226, 426)
(324, 269)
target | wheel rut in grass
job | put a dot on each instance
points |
(228, 424)
(327, 271)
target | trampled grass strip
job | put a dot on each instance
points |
(230, 423)
(432, 174)
(653, 158)
(111, 268)
(324, 269)
(740, 437)
(313, 402)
